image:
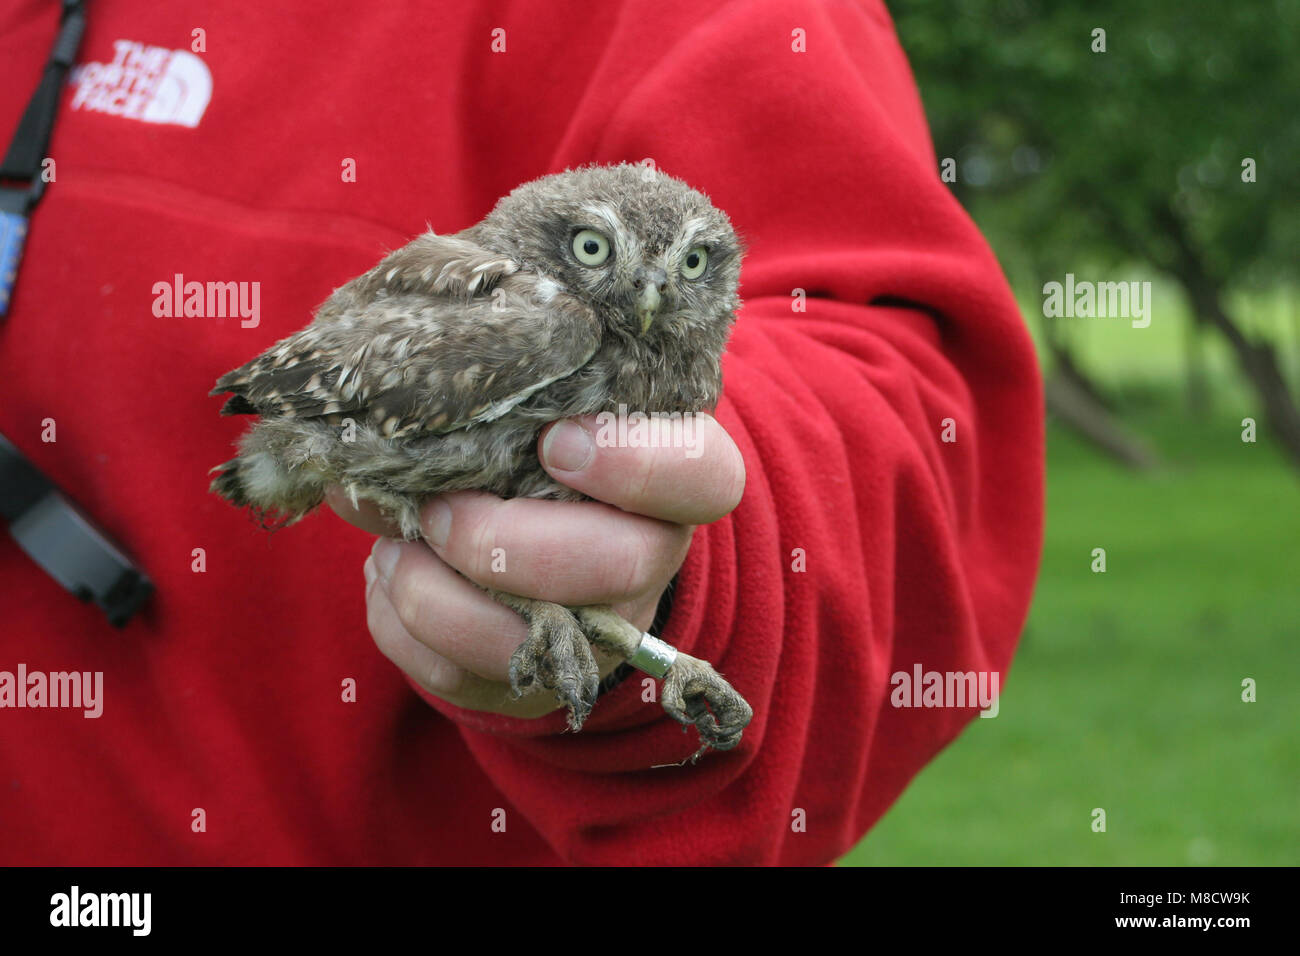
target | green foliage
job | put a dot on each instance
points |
(1069, 157)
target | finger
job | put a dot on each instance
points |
(446, 613)
(438, 676)
(695, 476)
(569, 552)
(365, 514)
(427, 668)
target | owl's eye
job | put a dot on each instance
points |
(694, 263)
(590, 247)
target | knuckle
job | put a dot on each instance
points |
(476, 555)
(644, 556)
(629, 577)
(407, 598)
(642, 482)
(382, 631)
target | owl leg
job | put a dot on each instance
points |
(555, 654)
(693, 692)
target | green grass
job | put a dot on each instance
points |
(1126, 691)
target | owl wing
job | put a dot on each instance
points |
(440, 335)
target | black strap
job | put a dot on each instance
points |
(54, 532)
(21, 181)
(31, 140)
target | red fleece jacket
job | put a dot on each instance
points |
(865, 544)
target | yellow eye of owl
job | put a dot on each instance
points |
(590, 247)
(694, 263)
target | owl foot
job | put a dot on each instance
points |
(694, 693)
(557, 656)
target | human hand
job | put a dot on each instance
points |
(623, 549)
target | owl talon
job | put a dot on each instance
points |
(694, 694)
(557, 656)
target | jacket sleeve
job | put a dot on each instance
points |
(884, 392)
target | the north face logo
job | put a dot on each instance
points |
(147, 83)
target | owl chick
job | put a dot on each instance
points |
(436, 370)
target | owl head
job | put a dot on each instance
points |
(655, 257)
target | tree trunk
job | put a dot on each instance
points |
(1198, 391)
(1258, 361)
(1074, 407)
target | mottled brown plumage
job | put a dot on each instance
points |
(436, 370)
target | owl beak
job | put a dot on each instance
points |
(650, 284)
(647, 307)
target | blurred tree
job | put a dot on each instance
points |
(1169, 139)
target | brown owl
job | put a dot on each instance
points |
(436, 370)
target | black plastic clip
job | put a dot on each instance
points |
(65, 542)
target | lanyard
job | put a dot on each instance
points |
(53, 531)
(23, 163)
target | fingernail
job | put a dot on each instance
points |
(437, 523)
(385, 554)
(368, 569)
(568, 447)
